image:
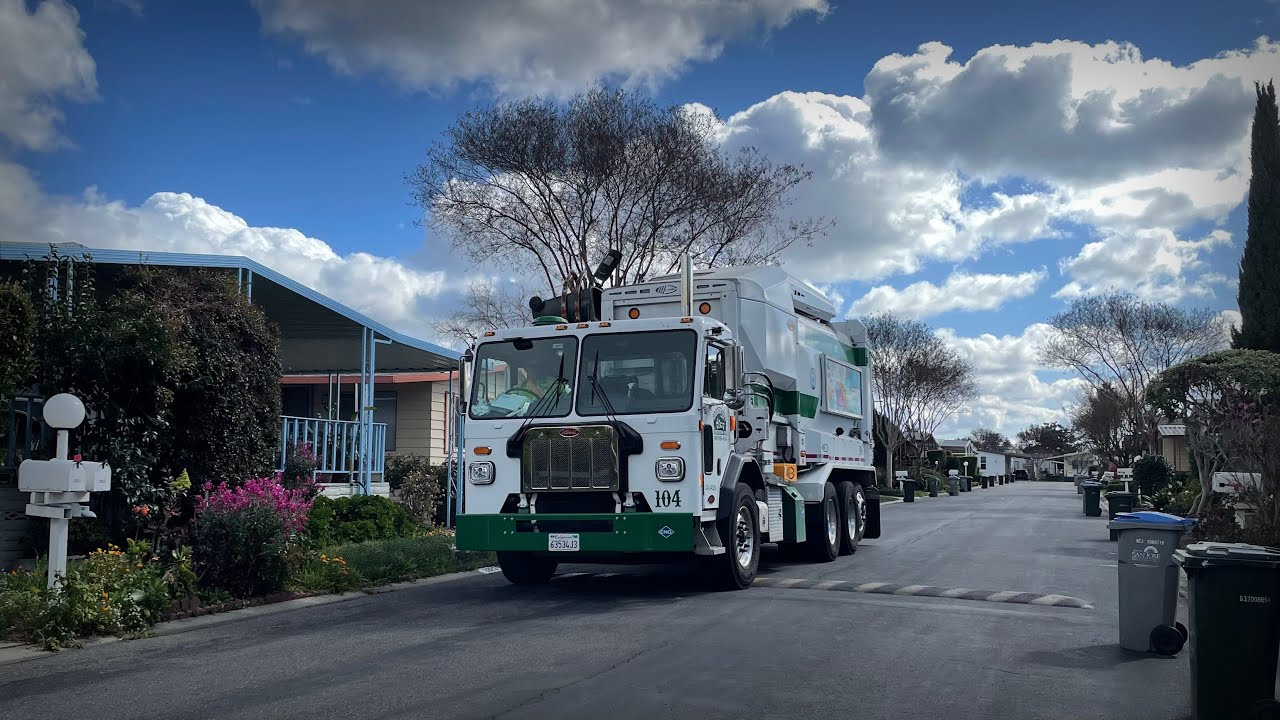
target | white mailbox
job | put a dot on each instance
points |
(60, 487)
(53, 476)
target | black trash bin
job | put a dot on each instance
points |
(967, 483)
(1119, 502)
(1233, 605)
(1092, 499)
(985, 482)
(908, 490)
(933, 487)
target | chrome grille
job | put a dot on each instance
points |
(554, 461)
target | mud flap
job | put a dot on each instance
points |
(793, 527)
(872, 530)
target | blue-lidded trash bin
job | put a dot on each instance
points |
(1148, 580)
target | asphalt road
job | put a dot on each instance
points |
(648, 643)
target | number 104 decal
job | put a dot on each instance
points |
(666, 498)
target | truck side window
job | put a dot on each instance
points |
(713, 374)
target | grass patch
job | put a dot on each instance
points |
(379, 562)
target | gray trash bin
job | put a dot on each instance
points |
(1148, 580)
(953, 483)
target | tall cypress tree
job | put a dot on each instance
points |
(1259, 293)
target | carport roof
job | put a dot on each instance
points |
(318, 334)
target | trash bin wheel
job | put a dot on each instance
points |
(1265, 710)
(1167, 640)
(1182, 629)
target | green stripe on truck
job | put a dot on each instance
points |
(793, 402)
(631, 532)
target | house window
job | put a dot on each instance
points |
(295, 401)
(384, 411)
(982, 462)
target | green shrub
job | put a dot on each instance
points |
(17, 329)
(110, 592)
(407, 558)
(419, 485)
(1152, 474)
(1177, 498)
(241, 552)
(318, 571)
(358, 519)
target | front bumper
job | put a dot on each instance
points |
(597, 532)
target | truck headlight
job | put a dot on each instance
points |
(480, 473)
(670, 469)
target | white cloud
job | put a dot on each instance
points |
(891, 216)
(524, 47)
(1152, 263)
(961, 291)
(1065, 111)
(384, 288)
(44, 61)
(1014, 391)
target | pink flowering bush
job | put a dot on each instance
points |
(241, 535)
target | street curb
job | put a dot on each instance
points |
(13, 653)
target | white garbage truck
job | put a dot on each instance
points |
(696, 415)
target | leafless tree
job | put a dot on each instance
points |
(547, 188)
(1106, 427)
(920, 382)
(486, 305)
(1118, 343)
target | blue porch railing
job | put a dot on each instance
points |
(336, 444)
(23, 433)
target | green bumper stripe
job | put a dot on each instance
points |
(631, 532)
(792, 402)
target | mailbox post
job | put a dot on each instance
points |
(60, 487)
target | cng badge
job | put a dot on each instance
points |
(666, 532)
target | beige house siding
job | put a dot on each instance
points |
(1174, 450)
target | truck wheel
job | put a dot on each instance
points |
(740, 534)
(523, 568)
(853, 516)
(823, 532)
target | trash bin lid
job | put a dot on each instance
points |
(1205, 554)
(1152, 517)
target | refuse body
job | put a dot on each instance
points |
(1233, 606)
(908, 490)
(933, 487)
(1148, 580)
(967, 484)
(985, 482)
(953, 482)
(1080, 484)
(1119, 502)
(1092, 499)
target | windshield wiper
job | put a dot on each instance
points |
(596, 387)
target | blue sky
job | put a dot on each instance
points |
(283, 129)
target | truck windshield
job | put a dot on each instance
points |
(514, 378)
(644, 372)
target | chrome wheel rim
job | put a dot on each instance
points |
(743, 539)
(833, 522)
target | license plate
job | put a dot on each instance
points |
(562, 542)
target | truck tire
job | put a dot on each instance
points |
(853, 516)
(822, 531)
(740, 535)
(525, 568)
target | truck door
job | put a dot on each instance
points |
(717, 433)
